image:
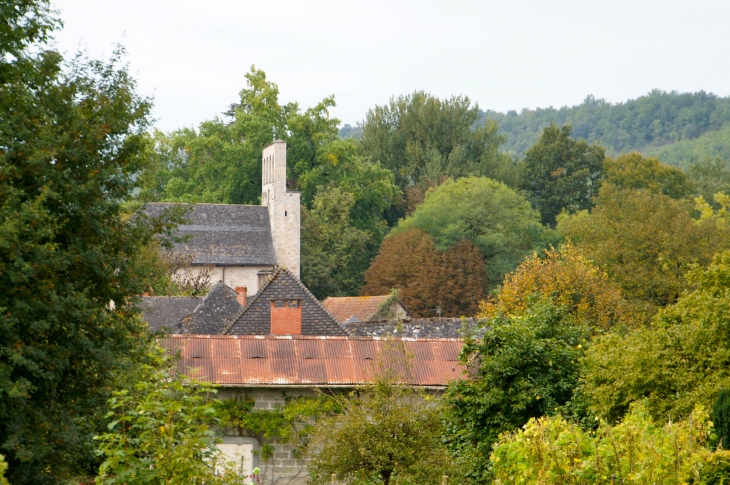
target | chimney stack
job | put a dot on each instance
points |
(241, 295)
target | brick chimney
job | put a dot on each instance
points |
(241, 295)
(286, 317)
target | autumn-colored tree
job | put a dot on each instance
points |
(645, 241)
(633, 171)
(568, 279)
(452, 280)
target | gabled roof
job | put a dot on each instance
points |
(162, 312)
(230, 360)
(225, 234)
(214, 313)
(255, 317)
(363, 308)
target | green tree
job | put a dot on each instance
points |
(561, 173)
(220, 162)
(633, 171)
(335, 253)
(493, 217)
(721, 417)
(160, 430)
(423, 140)
(451, 282)
(710, 176)
(387, 433)
(71, 143)
(677, 363)
(645, 241)
(524, 366)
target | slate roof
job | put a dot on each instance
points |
(363, 308)
(162, 312)
(418, 328)
(229, 234)
(255, 317)
(231, 360)
(215, 312)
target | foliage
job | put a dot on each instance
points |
(3, 468)
(386, 434)
(721, 417)
(429, 280)
(710, 176)
(335, 253)
(553, 451)
(71, 143)
(493, 217)
(633, 171)
(292, 422)
(560, 173)
(524, 366)
(159, 430)
(679, 362)
(423, 140)
(715, 470)
(645, 241)
(685, 153)
(221, 162)
(656, 119)
(567, 279)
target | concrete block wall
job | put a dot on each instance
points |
(282, 467)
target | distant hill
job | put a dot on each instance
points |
(677, 127)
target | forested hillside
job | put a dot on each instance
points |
(647, 124)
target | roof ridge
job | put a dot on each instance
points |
(249, 302)
(324, 308)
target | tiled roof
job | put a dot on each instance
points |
(418, 328)
(362, 307)
(255, 317)
(166, 311)
(231, 360)
(214, 313)
(225, 234)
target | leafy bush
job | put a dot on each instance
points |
(715, 470)
(3, 467)
(552, 451)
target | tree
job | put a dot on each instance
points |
(710, 177)
(524, 366)
(160, 430)
(493, 217)
(645, 241)
(560, 173)
(721, 417)
(71, 144)
(569, 280)
(553, 451)
(677, 363)
(633, 171)
(429, 280)
(388, 433)
(221, 162)
(423, 140)
(335, 253)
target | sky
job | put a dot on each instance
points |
(192, 56)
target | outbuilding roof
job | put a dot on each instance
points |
(162, 312)
(363, 308)
(228, 234)
(235, 360)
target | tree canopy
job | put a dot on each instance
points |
(633, 171)
(490, 215)
(561, 173)
(430, 281)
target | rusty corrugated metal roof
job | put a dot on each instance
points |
(242, 360)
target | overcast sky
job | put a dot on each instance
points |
(191, 56)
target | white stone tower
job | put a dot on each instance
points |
(284, 207)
